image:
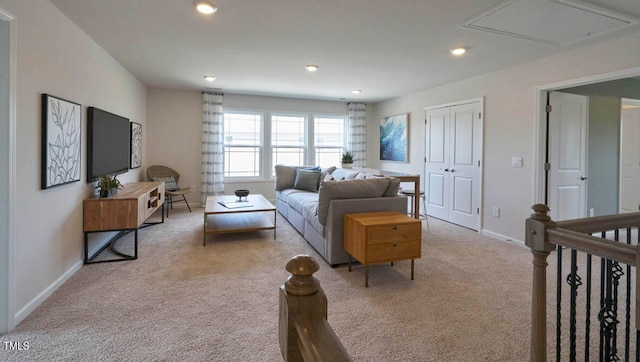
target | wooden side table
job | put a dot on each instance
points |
(380, 237)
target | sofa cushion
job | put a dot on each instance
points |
(285, 177)
(299, 200)
(394, 187)
(284, 194)
(344, 174)
(170, 183)
(349, 189)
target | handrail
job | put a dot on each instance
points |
(600, 223)
(542, 236)
(304, 333)
(604, 248)
(317, 340)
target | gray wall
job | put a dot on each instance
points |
(4, 167)
(603, 165)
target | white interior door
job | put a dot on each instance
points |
(464, 165)
(453, 163)
(630, 156)
(437, 162)
(568, 121)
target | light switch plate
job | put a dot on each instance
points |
(516, 162)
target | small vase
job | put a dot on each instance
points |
(108, 193)
(347, 165)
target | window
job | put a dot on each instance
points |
(256, 141)
(288, 139)
(242, 144)
(329, 140)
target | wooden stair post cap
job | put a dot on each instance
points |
(302, 281)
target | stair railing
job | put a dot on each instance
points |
(543, 236)
(305, 334)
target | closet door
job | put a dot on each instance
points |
(453, 168)
(437, 163)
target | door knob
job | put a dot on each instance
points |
(453, 170)
(583, 177)
(446, 170)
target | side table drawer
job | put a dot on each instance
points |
(390, 251)
(389, 233)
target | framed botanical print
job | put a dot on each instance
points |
(136, 145)
(61, 141)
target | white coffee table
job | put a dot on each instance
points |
(219, 219)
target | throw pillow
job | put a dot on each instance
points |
(285, 177)
(170, 183)
(307, 180)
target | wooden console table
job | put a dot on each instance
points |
(125, 211)
(380, 237)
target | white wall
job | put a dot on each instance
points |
(56, 57)
(509, 123)
(175, 123)
(4, 174)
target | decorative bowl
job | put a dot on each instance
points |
(241, 193)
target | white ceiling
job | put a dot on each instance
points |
(385, 48)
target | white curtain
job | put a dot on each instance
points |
(357, 134)
(212, 147)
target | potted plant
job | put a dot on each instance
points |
(347, 159)
(108, 185)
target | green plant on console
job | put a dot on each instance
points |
(347, 157)
(108, 185)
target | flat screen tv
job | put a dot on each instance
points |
(107, 144)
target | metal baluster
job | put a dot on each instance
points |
(627, 327)
(558, 303)
(616, 273)
(588, 310)
(602, 290)
(574, 281)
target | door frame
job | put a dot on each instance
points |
(623, 101)
(540, 122)
(7, 317)
(481, 147)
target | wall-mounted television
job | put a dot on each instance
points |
(107, 144)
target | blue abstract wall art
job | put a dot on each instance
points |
(393, 138)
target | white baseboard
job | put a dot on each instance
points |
(35, 302)
(501, 237)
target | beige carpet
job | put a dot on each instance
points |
(181, 301)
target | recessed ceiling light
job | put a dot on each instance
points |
(312, 67)
(458, 51)
(356, 91)
(209, 78)
(205, 7)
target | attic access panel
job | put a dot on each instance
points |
(555, 22)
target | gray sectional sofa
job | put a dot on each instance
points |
(315, 200)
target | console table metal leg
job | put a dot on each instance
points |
(411, 269)
(350, 257)
(366, 276)
(135, 244)
(86, 248)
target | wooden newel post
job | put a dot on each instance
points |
(536, 239)
(300, 296)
